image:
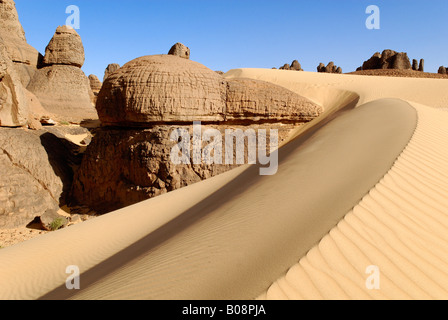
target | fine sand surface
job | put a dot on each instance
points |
(345, 190)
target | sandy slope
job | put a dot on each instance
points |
(219, 238)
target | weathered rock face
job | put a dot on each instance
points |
(166, 88)
(138, 166)
(180, 50)
(13, 35)
(162, 88)
(255, 100)
(442, 70)
(14, 107)
(388, 59)
(65, 92)
(65, 48)
(33, 171)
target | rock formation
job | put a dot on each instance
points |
(24, 57)
(388, 59)
(295, 66)
(180, 50)
(330, 68)
(152, 96)
(442, 70)
(65, 48)
(61, 86)
(111, 68)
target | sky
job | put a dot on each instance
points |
(230, 34)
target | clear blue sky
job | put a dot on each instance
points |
(245, 33)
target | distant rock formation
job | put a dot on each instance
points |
(421, 66)
(414, 64)
(158, 94)
(442, 70)
(294, 66)
(61, 86)
(330, 68)
(180, 50)
(111, 68)
(388, 59)
(95, 84)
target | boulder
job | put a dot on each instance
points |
(111, 68)
(35, 175)
(14, 109)
(442, 70)
(180, 50)
(161, 88)
(421, 66)
(295, 65)
(65, 92)
(321, 67)
(286, 66)
(52, 221)
(65, 48)
(338, 70)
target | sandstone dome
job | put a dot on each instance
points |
(167, 88)
(65, 48)
(162, 88)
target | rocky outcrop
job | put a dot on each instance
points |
(295, 66)
(65, 48)
(180, 50)
(442, 70)
(14, 109)
(388, 59)
(62, 87)
(111, 68)
(34, 170)
(149, 98)
(330, 68)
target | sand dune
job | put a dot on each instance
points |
(401, 227)
(236, 235)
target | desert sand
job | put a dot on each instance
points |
(362, 185)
